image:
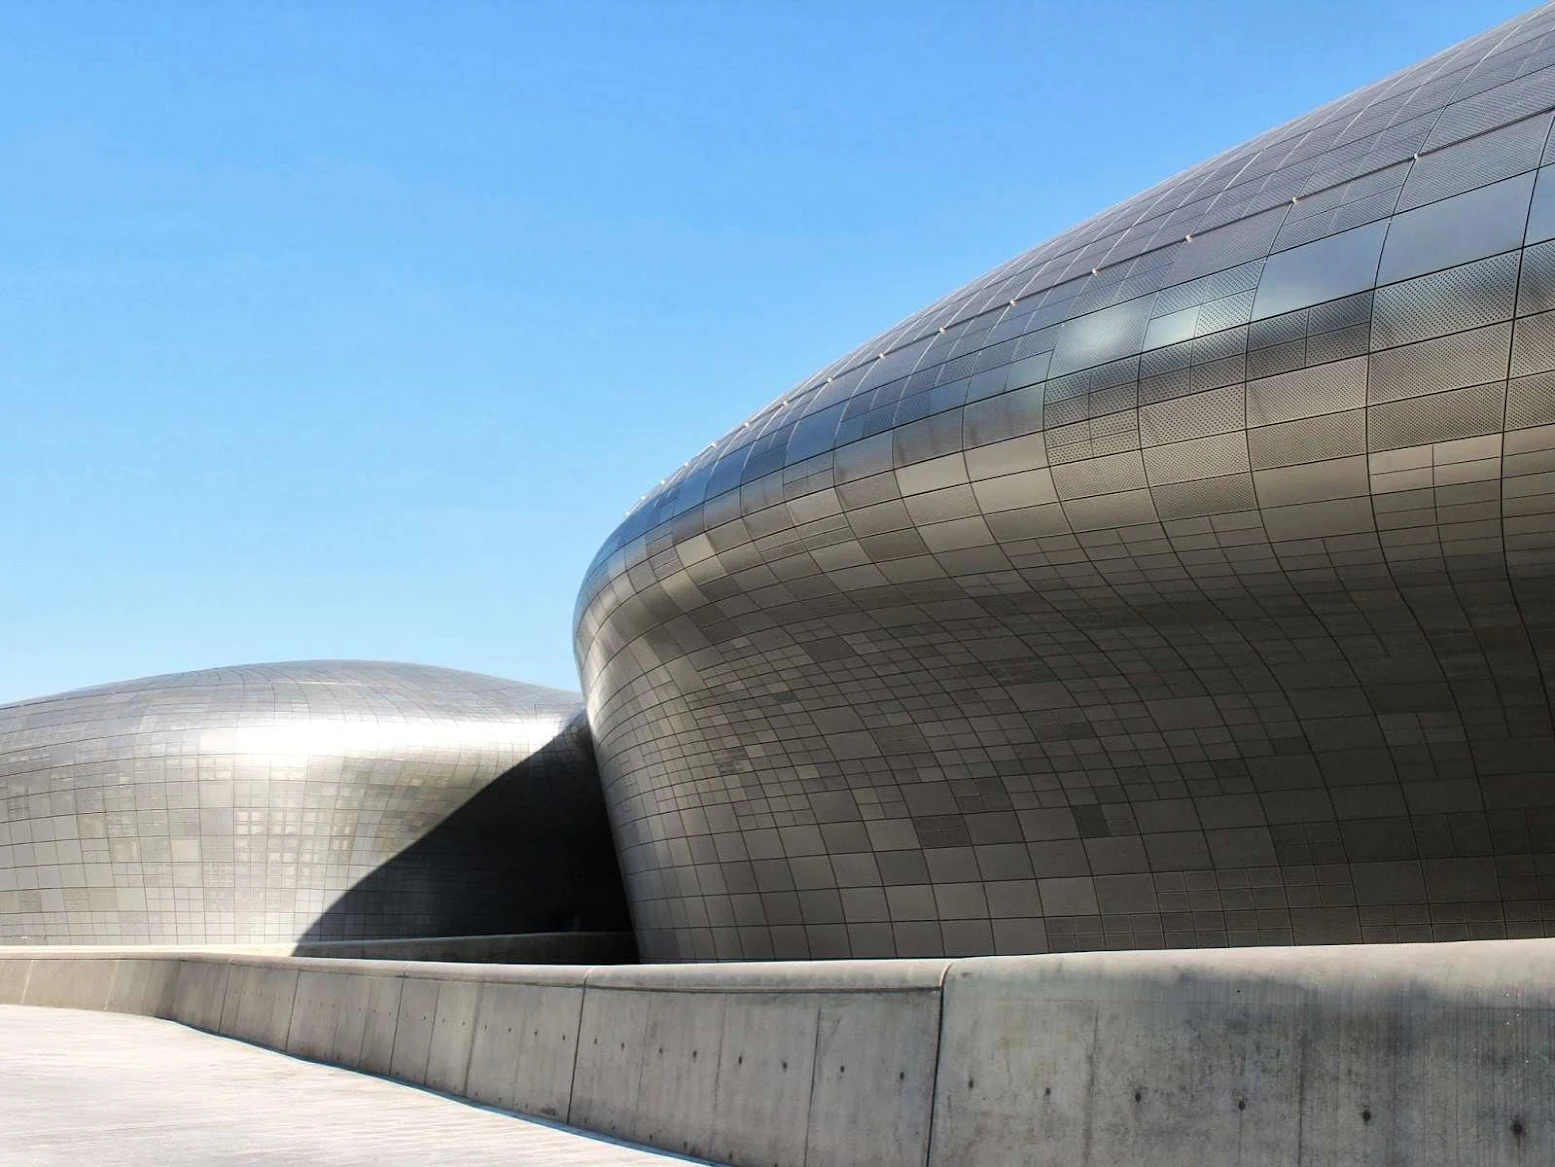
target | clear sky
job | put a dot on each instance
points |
(351, 330)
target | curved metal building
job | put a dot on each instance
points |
(1185, 581)
(316, 800)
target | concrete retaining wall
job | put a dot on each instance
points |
(1410, 1054)
(1407, 1054)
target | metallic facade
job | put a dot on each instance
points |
(316, 800)
(1185, 581)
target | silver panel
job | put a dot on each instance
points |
(1226, 620)
(322, 800)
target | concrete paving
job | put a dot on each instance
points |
(79, 1087)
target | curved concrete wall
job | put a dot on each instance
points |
(1184, 582)
(1433, 1056)
(309, 800)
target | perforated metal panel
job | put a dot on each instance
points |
(317, 800)
(1184, 581)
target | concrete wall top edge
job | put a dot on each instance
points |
(524, 974)
(776, 976)
(429, 970)
(872, 976)
(1516, 969)
(1520, 970)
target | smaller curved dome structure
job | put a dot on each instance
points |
(316, 800)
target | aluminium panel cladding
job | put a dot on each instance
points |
(313, 800)
(1184, 581)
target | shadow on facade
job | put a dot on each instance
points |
(531, 852)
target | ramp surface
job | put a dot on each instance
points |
(81, 1087)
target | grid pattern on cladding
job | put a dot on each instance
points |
(240, 804)
(1185, 581)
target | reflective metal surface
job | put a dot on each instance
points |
(1184, 581)
(313, 800)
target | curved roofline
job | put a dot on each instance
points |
(542, 693)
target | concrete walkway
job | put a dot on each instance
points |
(78, 1087)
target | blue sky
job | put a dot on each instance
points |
(351, 330)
